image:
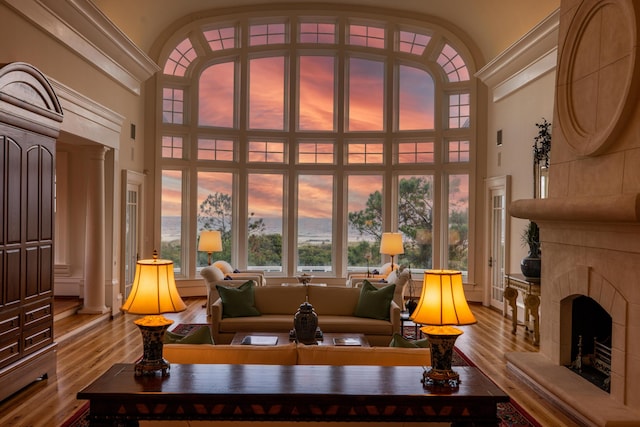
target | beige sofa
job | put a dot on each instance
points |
(296, 354)
(335, 307)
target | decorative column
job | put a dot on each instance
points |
(94, 259)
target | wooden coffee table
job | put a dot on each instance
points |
(375, 394)
(283, 338)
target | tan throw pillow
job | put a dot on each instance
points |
(385, 269)
(392, 277)
(212, 274)
(224, 266)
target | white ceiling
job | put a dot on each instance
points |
(493, 25)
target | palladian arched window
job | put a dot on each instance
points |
(304, 136)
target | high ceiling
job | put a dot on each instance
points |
(493, 25)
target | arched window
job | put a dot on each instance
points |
(303, 137)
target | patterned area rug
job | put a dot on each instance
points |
(511, 414)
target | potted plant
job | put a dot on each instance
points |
(530, 265)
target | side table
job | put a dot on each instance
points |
(405, 320)
(530, 289)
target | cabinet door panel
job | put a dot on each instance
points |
(46, 270)
(3, 148)
(31, 272)
(33, 194)
(47, 171)
(14, 192)
(13, 285)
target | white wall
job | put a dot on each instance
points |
(521, 85)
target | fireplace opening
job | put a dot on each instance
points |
(591, 342)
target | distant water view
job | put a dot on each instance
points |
(312, 230)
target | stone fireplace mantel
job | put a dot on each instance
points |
(590, 224)
(589, 248)
(605, 209)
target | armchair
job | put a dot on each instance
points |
(213, 276)
(400, 277)
(356, 277)
(228, 270)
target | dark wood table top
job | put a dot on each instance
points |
(298, 392)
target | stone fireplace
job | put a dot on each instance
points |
(591, 341)
(590, 223)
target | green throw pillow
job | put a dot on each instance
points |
(199, 336)
(400, 341)
(373, 302)
(238, 302)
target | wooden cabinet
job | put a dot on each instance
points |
(30, 117)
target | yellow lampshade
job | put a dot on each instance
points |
(210, 241)
(442, 301)
(391, 244)
(154, 289)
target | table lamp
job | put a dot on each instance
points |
(391, 244)
(153, 293)
(210, 241)
(442, 304)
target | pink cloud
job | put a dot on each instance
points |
(315, 196)
(216, 95)
(265, 195)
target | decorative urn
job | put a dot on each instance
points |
(305, 323)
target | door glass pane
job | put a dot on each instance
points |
(131, 239)
(315, 225)
(266, 93)
(459, 223)
(316, 88)
(498, 220)
(171, 218)
(215, 211)
(365, 222)
(415, 219)
(265, 198)
(366, 95)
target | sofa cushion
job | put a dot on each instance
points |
(373, 302)
(212, 274)
(231, 354)
(279, 299)
(199, 336)
(266, 323)
(392, 277)
(238, 302)
(358, 325)
(385, 269)
(224, 266)
(339, 301)
(381, 356)
(400, 341)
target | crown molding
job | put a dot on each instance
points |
(531, 57)
(86, 119)
(83, 28)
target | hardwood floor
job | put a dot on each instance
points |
(87, 354)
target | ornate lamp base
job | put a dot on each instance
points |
(441, 341)
(152, 329)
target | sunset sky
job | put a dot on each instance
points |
(315, 111)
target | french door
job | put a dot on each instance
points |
(497, 192)
(132, 226)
